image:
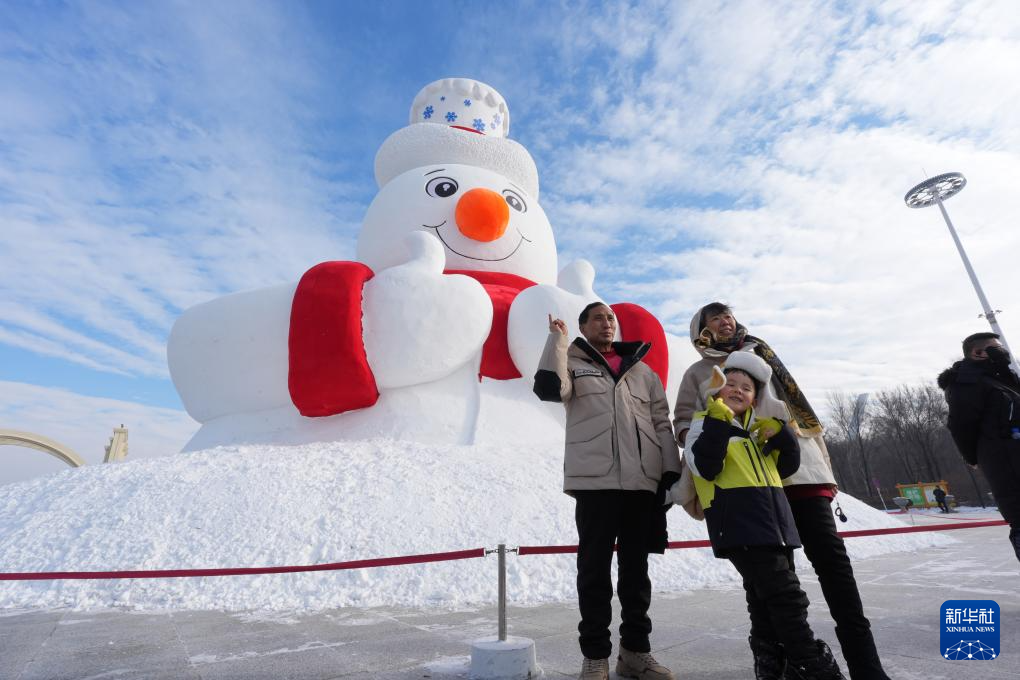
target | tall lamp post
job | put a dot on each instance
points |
(934, 191)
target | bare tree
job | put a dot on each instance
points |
(899, 436)
(851, 419)
(891, 422)
(914, 417)
(928, 426)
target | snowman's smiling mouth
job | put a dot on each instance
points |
(472, 257)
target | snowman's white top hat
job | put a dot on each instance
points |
(460, 121)
(462, 102)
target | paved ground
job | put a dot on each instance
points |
(902, 593)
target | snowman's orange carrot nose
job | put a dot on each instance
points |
(482, 215)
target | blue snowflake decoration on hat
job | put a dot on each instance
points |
(450, 116)
(427, 113)
(478, 125)
(442, 99)
(467, 102)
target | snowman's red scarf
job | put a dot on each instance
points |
(502, 289)
(636, 323)
(328, 367)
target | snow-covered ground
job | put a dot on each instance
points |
(960, 512)
(327, 502)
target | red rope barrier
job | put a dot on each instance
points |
(929, 527)
(546, 549)
(680, 545)
(245, 571)
(944, 516)
(420, 559)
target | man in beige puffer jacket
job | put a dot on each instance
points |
(619, 446)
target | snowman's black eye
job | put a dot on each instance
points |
(514, 200)
(441, 187)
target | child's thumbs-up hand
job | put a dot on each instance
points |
(718, 409)
(765, 429)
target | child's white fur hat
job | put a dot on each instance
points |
(768, 405)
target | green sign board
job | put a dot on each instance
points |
(915, 495)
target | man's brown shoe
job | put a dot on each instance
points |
(641, 665)
(594, 669)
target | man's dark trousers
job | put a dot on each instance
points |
(827, 554)
(605, 518)
(1002, 470)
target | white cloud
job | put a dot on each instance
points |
(147, 170)
(84, 424)
(812, 121)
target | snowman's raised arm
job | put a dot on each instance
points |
(419, 324)
(526, 327)
(423, 253)
(577, 278)
(229, 355)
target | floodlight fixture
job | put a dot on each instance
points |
(934, 191)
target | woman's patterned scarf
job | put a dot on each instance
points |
(715, 349)
(786, 387)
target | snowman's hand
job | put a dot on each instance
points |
(577, 278)
(419, 324)
(529, 324)
(424, 253)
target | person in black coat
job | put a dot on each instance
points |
(984, 418)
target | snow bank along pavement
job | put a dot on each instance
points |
(327, 502)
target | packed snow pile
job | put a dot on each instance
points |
(327, 502)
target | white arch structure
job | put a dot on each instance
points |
(41, 443)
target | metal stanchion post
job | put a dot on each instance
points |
(904, 505)
(505, 658)
(501, 553)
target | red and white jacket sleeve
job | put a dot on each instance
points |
(328, 369)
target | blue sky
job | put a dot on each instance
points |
(157, 154)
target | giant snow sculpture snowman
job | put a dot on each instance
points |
(434, 333)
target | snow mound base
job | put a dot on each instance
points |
(252, 506)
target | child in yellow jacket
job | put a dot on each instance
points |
(738, 462)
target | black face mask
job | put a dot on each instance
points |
(997, 355)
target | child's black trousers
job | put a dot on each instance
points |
(777, 604)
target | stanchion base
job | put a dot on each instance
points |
(510, 659)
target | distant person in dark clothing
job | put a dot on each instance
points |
(940, 498)
(984, 418)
